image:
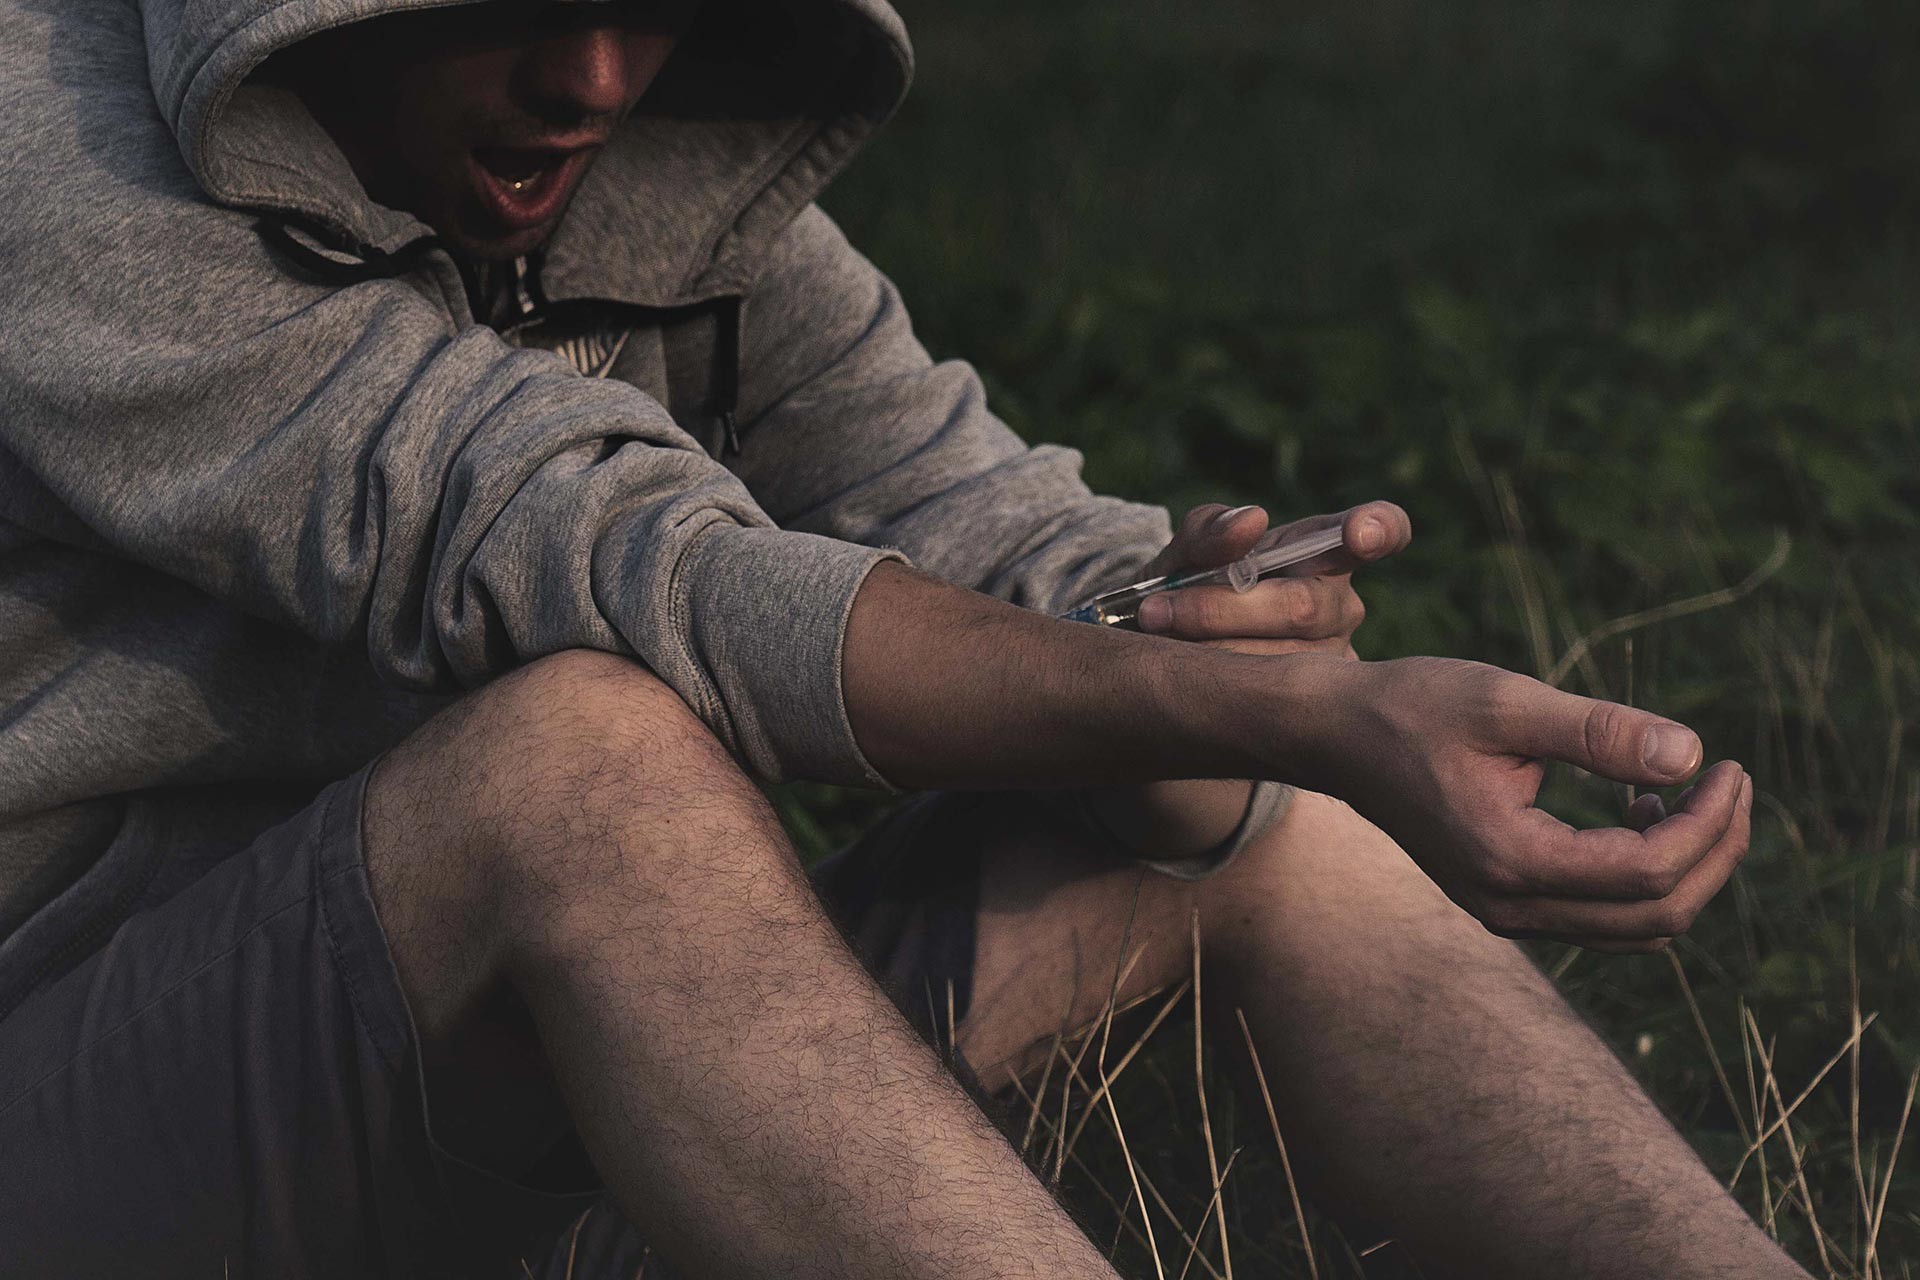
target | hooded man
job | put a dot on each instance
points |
(447, 457)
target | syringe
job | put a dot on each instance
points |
(1274, 552)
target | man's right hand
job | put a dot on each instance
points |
(1447, 757)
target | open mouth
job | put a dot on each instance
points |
(524, 187)
(519, 168)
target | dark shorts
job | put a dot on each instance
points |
(230, 1086)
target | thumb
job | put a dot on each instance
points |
(1622, 743)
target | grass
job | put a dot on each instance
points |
(1618, 302)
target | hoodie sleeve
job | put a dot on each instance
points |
(853, 432)
(353, 464)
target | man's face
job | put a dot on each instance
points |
(481, 119)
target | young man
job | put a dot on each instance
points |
(446, 454)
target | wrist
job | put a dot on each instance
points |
(1289, 717)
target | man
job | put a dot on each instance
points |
(446, 454)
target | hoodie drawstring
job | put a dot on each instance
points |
(362, 262)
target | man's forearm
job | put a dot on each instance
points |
(947, 688)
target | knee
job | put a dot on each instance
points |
(581, 719)
(584, 699)
(554, 784)
(570, 741)
(1321, 869)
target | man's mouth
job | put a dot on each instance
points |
(524, 187)
(518, 166)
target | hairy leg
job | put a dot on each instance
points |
(1429, 1078)
(573, 835)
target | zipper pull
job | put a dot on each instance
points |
(732, 430)
(522, 296)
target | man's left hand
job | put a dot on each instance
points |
(1312, 607)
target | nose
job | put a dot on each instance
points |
(583, 73)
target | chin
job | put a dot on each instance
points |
(500, 248)
(491, 246)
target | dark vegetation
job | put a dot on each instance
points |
(1618, 300)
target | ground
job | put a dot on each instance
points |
(1618, 302)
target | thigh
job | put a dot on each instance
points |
(231, 1086)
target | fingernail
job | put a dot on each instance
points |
(1369, 534)
(1228, 516)
(1670, 749)
(1156, 614)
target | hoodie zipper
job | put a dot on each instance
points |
(722, 405)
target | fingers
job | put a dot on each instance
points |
(1641, 925)
(1646, 809)
(1370, 531)
(1544, 858)
(1622, 743)
(1214, 534)
(1279, 608)
(1210, 536)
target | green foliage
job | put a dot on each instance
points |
(1608, 297)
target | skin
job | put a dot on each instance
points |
(410, 98)
(572, 842)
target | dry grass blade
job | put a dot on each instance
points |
(1853, 1076)
(1206, 1122)
(1787, 1111)
(1153, 1191)
(1216, 1213)
(1713, 1056)
(1108, 1078)
(1830, 1247)
(1113, 1249)
(1758, 1101)
(573, 1245)
(1046, 1077)
(1059, 1129)
(1120, 1207)
(1286, 1165)
(1167, 1210)
(1886, 1179)
(1515, 559)
(1782, 546)
(1104, 1025)
(1793, 1145)
(1121, 967)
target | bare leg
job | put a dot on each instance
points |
(756, 1105)
(1435, 1081)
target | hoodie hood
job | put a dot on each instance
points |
(762, 104)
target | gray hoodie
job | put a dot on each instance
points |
(270, 494)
